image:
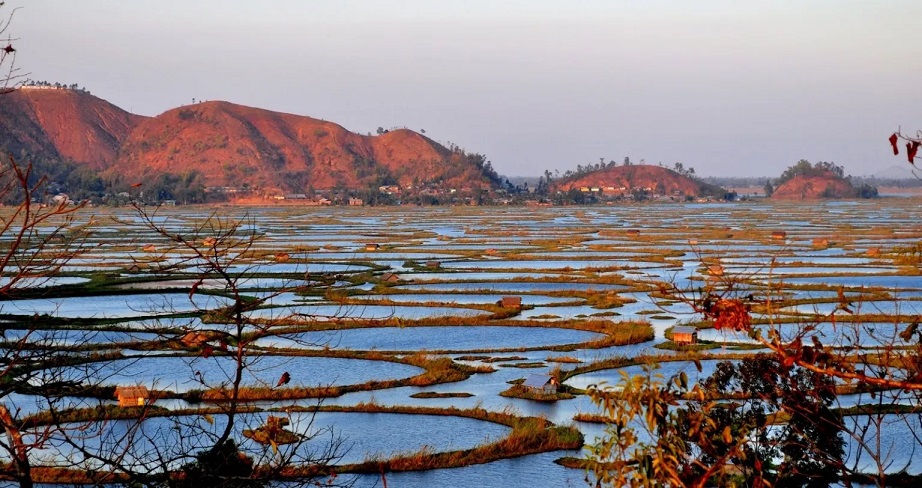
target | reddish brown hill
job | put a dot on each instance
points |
(803, 187)
(232, 145)
(70, 124)
(625, 179)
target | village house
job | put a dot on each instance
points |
(194, 339)
(684, 335)
(132, 396)
(541, 383)
(510, 302)
(372, 246)
(779, 234)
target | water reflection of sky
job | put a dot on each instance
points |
(611, 377)
(186, 373)
(463, 299)
(513, 287)
(364, 436)
(115, 306)
(323, 312)
(456, 338)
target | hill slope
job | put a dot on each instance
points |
(232, 145)
(66, 124)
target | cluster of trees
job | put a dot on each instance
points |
(81, 183)
(590, 168)
(804, 168)
(480, 162)
(185, 188)
(63, 176)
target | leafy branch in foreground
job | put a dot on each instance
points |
(768, 420)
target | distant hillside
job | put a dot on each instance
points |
(894, 172)
(627, 179)
(223, 145)
(67, 124)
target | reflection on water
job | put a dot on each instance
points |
(323, 312)
(513, 287)
(888, 441)
(663, 370)
(535, 471)
(186, 373)
(458, 338)
(364, 435)
(463, 299)
(117, 306)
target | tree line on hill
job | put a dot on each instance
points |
(58, 85)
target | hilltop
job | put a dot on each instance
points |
(804, 181)
(225, 148)
(637, 180)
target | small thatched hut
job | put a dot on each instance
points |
(132, 396)
(684, 335)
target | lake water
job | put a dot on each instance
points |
(461, 338)
(556, 259)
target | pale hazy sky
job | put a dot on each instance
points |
(728, 87)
